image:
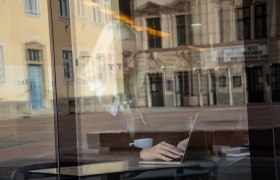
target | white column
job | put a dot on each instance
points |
(148, 90)
(178, 98)
(211, 102)
(164, 28)
(174, 89)
(230, 87)
(144, 34)
(199, 88)
(245, 86)
(172, 31)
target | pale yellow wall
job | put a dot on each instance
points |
(18, 28)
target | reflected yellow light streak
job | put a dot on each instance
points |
(196, 48)
(127, 20)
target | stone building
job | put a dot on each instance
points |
(201, 53)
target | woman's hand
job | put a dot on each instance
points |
(163, 151)
(182, 145)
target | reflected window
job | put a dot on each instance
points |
(154, 33)
(107, 7)
(222, 81)
(181, 30)
(96, 11)
(2, 70)
(83, 58)
(64, 9)
(68, 66)
(260, 21)
(34, 55)
(184, 29)
(32, 7)
(81, 8)
(243, 23)
(102, 11)
(236, 81)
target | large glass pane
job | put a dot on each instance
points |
(27, 135)
(140, 83)
(195, 96)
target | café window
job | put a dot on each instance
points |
(32, 7)
(154, 33)
(68, 66)
(34, 55)
(64, 9)
(243, 23)
(2, 70)
(260, 21)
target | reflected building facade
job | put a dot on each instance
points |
(70, 59)
(184, 53)
(198, 53)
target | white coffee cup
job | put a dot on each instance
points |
(142, 143)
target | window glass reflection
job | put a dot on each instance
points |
(157, 64)
(187, 74)
(26, 86)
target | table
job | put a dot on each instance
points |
(115, 170)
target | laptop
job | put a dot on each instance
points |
(182, 159)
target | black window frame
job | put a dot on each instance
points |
(244, 20)
(154, 32)
(181, 30)
(64, 11)
(261, 21)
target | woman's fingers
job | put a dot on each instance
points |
(163, 157)
(171, 148)
(163, 151)
(166, 152)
